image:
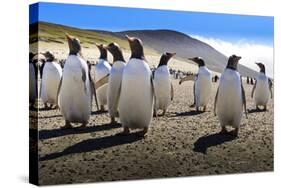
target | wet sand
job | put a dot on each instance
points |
(181, 143)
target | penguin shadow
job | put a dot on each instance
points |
(46, 134)
(53, 116)
(188, 113)
(98, 112)
(94, 145)
(203, 143)
(254, 110)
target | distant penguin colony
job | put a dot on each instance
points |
(131, 92)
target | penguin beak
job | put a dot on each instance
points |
(130, 39)
(68, 37)
(191, 59)
(170, 54)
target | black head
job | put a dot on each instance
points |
(49, 56)
(262, 67)
(233, 62)
(198, 60)
(165, 58)
(136, 47)
(103, 51)
(74, 45)
(116, 52)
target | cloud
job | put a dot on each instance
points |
(250, 52)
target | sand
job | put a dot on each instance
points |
(181, 143)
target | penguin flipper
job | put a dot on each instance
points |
(152, 85)
(215, 104)
(253, 90)
(172, 92)
(93, 89)
(57, 98)
(244, 100)
(84, 78)
(270, 87)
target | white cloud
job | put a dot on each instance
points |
(250, 52)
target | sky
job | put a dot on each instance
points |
(247, 33)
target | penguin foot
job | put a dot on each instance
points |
(154, 113)
(113, 121)
(102, 108)
(84, 124)
(164, 112)
(223, 131)
(125, 132)
(67, 125)
(142, 133)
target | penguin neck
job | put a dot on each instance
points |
(73, 53)
(162, 63)
(103, 55)
(118, 57)
(232, 68)
(262, 71)
(141, 57)
(137, 54)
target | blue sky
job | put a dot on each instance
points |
(256, 29)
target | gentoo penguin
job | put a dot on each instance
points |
(230, 97)
(102, 71)
(202, 85)
(115, 79)
(32, 80)
(262, 88)
(163, 87)
(51, 77)
(75, 93)
(136, 97)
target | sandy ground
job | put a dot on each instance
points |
(181, 143)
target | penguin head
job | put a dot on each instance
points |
(116, 52)
(103, 51)
(49, 56)
(136, 47)
(233, 62)
(73, 44)
(198, 60)
(165, 58)
(261, 66)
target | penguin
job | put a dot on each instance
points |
(262, 88)
(76, 89)
(32, 80)
(115, 80)
(202, 85)
(51, 77)
(137, 93)
(102, 71)
(230, 97)
(163, 87)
